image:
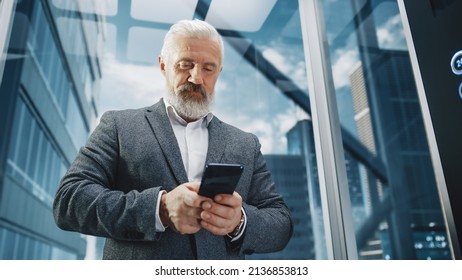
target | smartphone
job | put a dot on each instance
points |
(220, 178)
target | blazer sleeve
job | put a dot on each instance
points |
(87, 200)
(269, 223)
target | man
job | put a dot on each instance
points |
(136, 180)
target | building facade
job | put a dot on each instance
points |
(50, 79)
(289, 174)
(405, 140)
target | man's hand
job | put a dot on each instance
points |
(181, 209)
(222, 215)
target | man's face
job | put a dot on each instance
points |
(191, 71)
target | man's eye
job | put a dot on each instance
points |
(185, 65)
(209, 68)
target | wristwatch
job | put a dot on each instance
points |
(237, 230)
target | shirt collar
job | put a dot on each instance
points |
(173, 115)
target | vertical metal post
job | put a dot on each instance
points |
(338, 222)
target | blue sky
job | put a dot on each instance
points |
(244, 97)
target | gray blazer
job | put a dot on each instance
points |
(111, 189)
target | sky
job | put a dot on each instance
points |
(241, 97)
(244, 97)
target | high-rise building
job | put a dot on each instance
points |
(47, 108)
(300, 141)
(396, 93)
(289, 174)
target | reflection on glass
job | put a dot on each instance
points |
(102, 7)
(263, 71)
(239, 15)
(396, 211)
(262, 74)
(47, 103)
(59, 56)
(163, 11)
(144, 44)
(59, 68)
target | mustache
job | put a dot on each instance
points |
(189, 87)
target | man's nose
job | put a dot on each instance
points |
(196, 76)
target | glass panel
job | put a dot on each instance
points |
(46, 53)
(8, 242)
(75, 122)
(2, 241)
(229, 14)
(46, 61)
(23, 139)
(33, 249)
(394, 199)
(262, 89)
(162, 11)
(144, 44)
(32, 150)
(60, 254)
(88, 6)
(20, 247)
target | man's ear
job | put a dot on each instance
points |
(161, 63)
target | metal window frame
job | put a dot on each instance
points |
(335, 199)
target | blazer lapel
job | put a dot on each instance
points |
(160, 124)
(217, 141)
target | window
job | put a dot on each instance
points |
(394, 201)
(30, 146)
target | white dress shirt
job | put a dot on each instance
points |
(193, 140)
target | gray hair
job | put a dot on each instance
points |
(193, 29)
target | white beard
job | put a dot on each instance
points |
(189, 107)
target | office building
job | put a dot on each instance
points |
(288, 172)
(399, 102)
(50, 79)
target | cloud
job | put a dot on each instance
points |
(263, 129)
(133, 86)
(287, 120)
(391, 34)
(284, 122)
(277, 59)
(270, 131)
(292, 65)
(345, 63)
(129, 86)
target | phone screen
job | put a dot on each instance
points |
(220, 178)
